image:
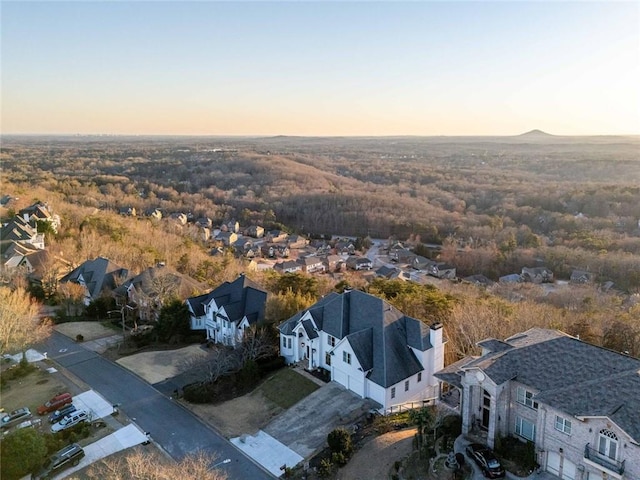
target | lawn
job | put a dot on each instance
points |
(286, 387)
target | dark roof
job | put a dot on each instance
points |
(453, 372)
(379, 334)
(570, 375)
(240, 298)
(98, 274)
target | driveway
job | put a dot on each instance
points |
(171, 426)
(377, 456)
(125, 437)
(302, 430)
(305, 426)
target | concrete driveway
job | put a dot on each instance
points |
(299, 432)
(121, 439)
(305, 426)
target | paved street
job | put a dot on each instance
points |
(171, 426)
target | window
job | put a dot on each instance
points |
(419, 376)
(525, 397)
(284, 342)
(563, 425)
(608, 444)
(288, 342)
(327, 359)
(331, 341)
(525, 429)
(393, 392)
(346, 357)
(406, 385)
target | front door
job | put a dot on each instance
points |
(486, 409)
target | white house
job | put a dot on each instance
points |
(225, 312)
(368, 346)
(578, 403)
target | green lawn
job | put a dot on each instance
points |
(286, 387)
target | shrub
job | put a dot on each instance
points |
(339, 458)
(79, 338)
(326, 468)
(451, 425)
(339, 441)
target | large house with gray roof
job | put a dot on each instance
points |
(368, 346)
(225, 312)
(578, 403)
(98, 277)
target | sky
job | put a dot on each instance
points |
(320, 68)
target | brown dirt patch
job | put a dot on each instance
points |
(246, 414)
(376, 457)
(31, 391)
(157, 366)
(89, 330)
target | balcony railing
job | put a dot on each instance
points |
(602, 460)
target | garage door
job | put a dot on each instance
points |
(340, 377)
(553, 463)
(568, 470)
(355, 385)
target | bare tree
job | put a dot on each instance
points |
(257, 343)
(147, 466)
(20, 325)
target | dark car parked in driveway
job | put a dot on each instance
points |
(486, 460)
(58, 415)
(69, 456)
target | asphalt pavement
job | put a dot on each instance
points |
(171, 426)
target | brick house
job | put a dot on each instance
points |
(578, 403)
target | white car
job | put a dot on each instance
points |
(70, 420)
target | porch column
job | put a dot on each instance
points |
(465, 409)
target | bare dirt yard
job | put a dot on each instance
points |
(89, 330)
(33, 390)
(376, 457)
(157, 366)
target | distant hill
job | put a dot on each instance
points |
(535, 133)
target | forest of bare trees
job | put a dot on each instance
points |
(495, 205)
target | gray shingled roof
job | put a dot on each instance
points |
(494, 345)
(379, 334)
(98, 275)
(571, 375)
(240, 298)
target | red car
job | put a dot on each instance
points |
(55, 403)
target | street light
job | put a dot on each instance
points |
(226, 460)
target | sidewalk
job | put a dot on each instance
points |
(100, 345)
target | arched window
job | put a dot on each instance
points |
(608, 443)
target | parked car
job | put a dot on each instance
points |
(55, 403)
(58, 415)
(70, 420)
(15, 417)
(486, 460)
(65, 458)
